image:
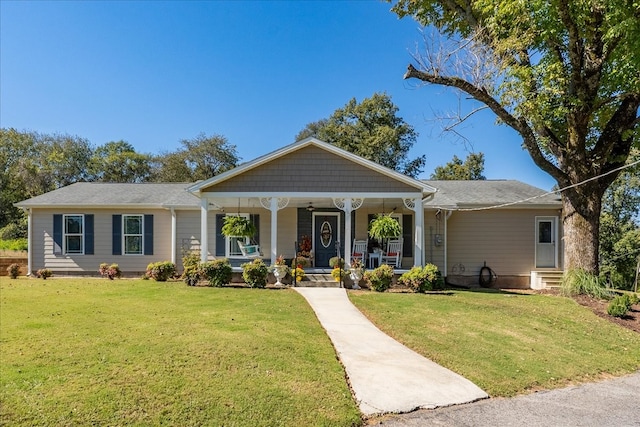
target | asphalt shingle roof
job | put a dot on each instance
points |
(112, 194)
(450, 194)
(489, 193)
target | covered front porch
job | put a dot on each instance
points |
(313, 227)
(311, 197)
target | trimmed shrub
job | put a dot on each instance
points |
(13, 270)
(43, 273)
(255, 273)
(579, 282)
(161, 271)
(422, 279)
(110, 271)
(191, 263)
(619, 306)
(217, 272)
(379, 279)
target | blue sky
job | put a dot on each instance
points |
(153, 73)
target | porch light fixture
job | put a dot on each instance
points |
(310, 208)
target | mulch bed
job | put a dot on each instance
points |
(599, 307)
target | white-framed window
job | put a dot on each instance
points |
(232, 248)
(133, 234)
(73, 234)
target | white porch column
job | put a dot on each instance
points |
(174, 237)
(348, 205)
(347, 232)
(204, 237)
(274, 229)
(274, 204)
(418, 233)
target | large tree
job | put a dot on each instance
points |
(620, 227)
(561, 73)
(471, 169)
(119, 162)
(370, 129)
(32, 163)
(199, 158)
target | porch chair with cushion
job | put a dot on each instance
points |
(393, 254)
(249, 251)
(359, 250)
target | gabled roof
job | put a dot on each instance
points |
(245, 167)
(98, 194)
(484, 193)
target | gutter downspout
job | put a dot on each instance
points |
(174, 230)
(29, 245)
(446, 218)
(423, 254)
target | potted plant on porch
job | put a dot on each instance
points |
(384, 226)
(238, 226)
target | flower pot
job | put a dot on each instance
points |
(279, 271)
(356, 275)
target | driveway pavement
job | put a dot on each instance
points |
(607, 403)
(385, 376)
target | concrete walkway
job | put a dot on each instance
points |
(385, 376)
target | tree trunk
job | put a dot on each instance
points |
(581, 238)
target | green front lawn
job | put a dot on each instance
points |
(134, 352)
(506, 343)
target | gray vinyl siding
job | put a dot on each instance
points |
(433, 253)
(505, 239)
(187, 233)
(311, 169)
(42, 245)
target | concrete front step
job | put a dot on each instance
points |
(542, 279)
(319, 281)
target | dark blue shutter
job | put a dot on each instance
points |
(221, 241)
(57, 234)
(255, 219)
(407, 235)
(88, 234)
(148, 234)
(117, 235)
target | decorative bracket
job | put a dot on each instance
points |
(282, 202)
(409, 203)
(341, 204)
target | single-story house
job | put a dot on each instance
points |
(307, 192)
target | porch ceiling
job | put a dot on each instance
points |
(233, 203)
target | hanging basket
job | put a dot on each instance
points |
(238, 226)
(384, 227)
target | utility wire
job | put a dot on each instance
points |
(540, 195)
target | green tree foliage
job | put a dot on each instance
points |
(620, 227)
(200, 158)
(370, 129)
(32, 163)
(119, 162)
(471, 169)
(563, 74)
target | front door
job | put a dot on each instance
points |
(325, 236)
(546, 238)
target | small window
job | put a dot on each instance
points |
(133, 236)
(74, 234)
